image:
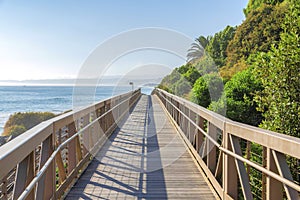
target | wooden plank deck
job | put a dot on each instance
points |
(144, 159)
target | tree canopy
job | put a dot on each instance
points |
(237, 99)
(279, 72)
(217, 45)
(255, 4)
(207, 88)
(261, 68)
(257, 33)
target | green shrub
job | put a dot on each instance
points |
(207, 88)
(16, 130)
(20, 122)
(237, 99)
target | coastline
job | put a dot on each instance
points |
(55, 99)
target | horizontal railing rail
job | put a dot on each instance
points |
(44, 162)
(240, 161)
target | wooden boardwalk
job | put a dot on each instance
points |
(144, 159)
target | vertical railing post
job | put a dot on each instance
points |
(71, 148)
(199, 136)
(85, 137)
(92, 129)
(58, 158)
(176, 111)
(193, 129)
(264, 176)
(211, 148)
(78, 149)
(118, 110)
(60, 166)
(248, 155)
(230, 178)
(182, 120)
(184, 128)
(172, 108)
(46, 185)
(274, 187)
(102, 120)
(59, 136)
(179, 115)
(105, 118)
(24, 175)
(166, 103)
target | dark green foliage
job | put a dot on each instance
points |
(191, 75)
(184, 68)
(276, 72)
(261, 29)
(182, 87)
(206, 65)
(255, 4)
(257, 33)
(203, 41)
(206, 89)
(201, 93)
(20, 122)
(181, 80)
(218, 44)
(239, 92)
(237, 99)
(279, 72)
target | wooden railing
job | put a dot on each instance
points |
(240, 161)
(45, 161)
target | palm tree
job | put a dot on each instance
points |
(197, 49)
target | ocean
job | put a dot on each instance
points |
(56, 99)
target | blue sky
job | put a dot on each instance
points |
(46, 40)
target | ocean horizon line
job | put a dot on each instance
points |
(105, 81)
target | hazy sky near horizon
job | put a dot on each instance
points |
(49, 40)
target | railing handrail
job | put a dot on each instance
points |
(186, 116)
(58, 148)
(293, 141)
(9, 154)
(45, 160)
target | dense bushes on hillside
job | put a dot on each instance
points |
(279, 71)
(181, 80)
(207, 88)
(255, 4)
(261, 75)
(237, 99)
(217, 45)
(20, 122)
(262, 31)
(257, 33)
